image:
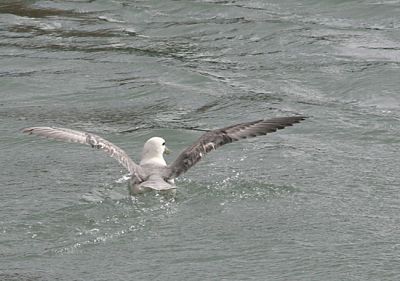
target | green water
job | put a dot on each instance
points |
(318, 201)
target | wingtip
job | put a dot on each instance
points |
(299, 118)
(27, 131)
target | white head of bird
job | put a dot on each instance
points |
(153, 151)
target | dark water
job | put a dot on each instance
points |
(319, 201)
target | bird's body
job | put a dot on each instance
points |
(153, 173)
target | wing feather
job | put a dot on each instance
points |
(216, 138)
(95, 141)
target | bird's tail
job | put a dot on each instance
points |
(156, 183)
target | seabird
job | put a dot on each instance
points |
(153, 173)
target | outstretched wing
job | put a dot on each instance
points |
(93, 140)
(216, 138)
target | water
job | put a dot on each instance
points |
(319, 201)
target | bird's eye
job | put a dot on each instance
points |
(163, 143)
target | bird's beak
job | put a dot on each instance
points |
(167, 151)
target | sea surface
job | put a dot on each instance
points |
(316, 201)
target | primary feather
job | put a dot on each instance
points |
(93, 140)
(216, 138)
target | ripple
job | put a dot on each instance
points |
(322, 200)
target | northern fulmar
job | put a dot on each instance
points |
(153, 173)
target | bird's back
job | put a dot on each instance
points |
(154, 180)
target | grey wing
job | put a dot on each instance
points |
(93, 140)
(216, 138)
